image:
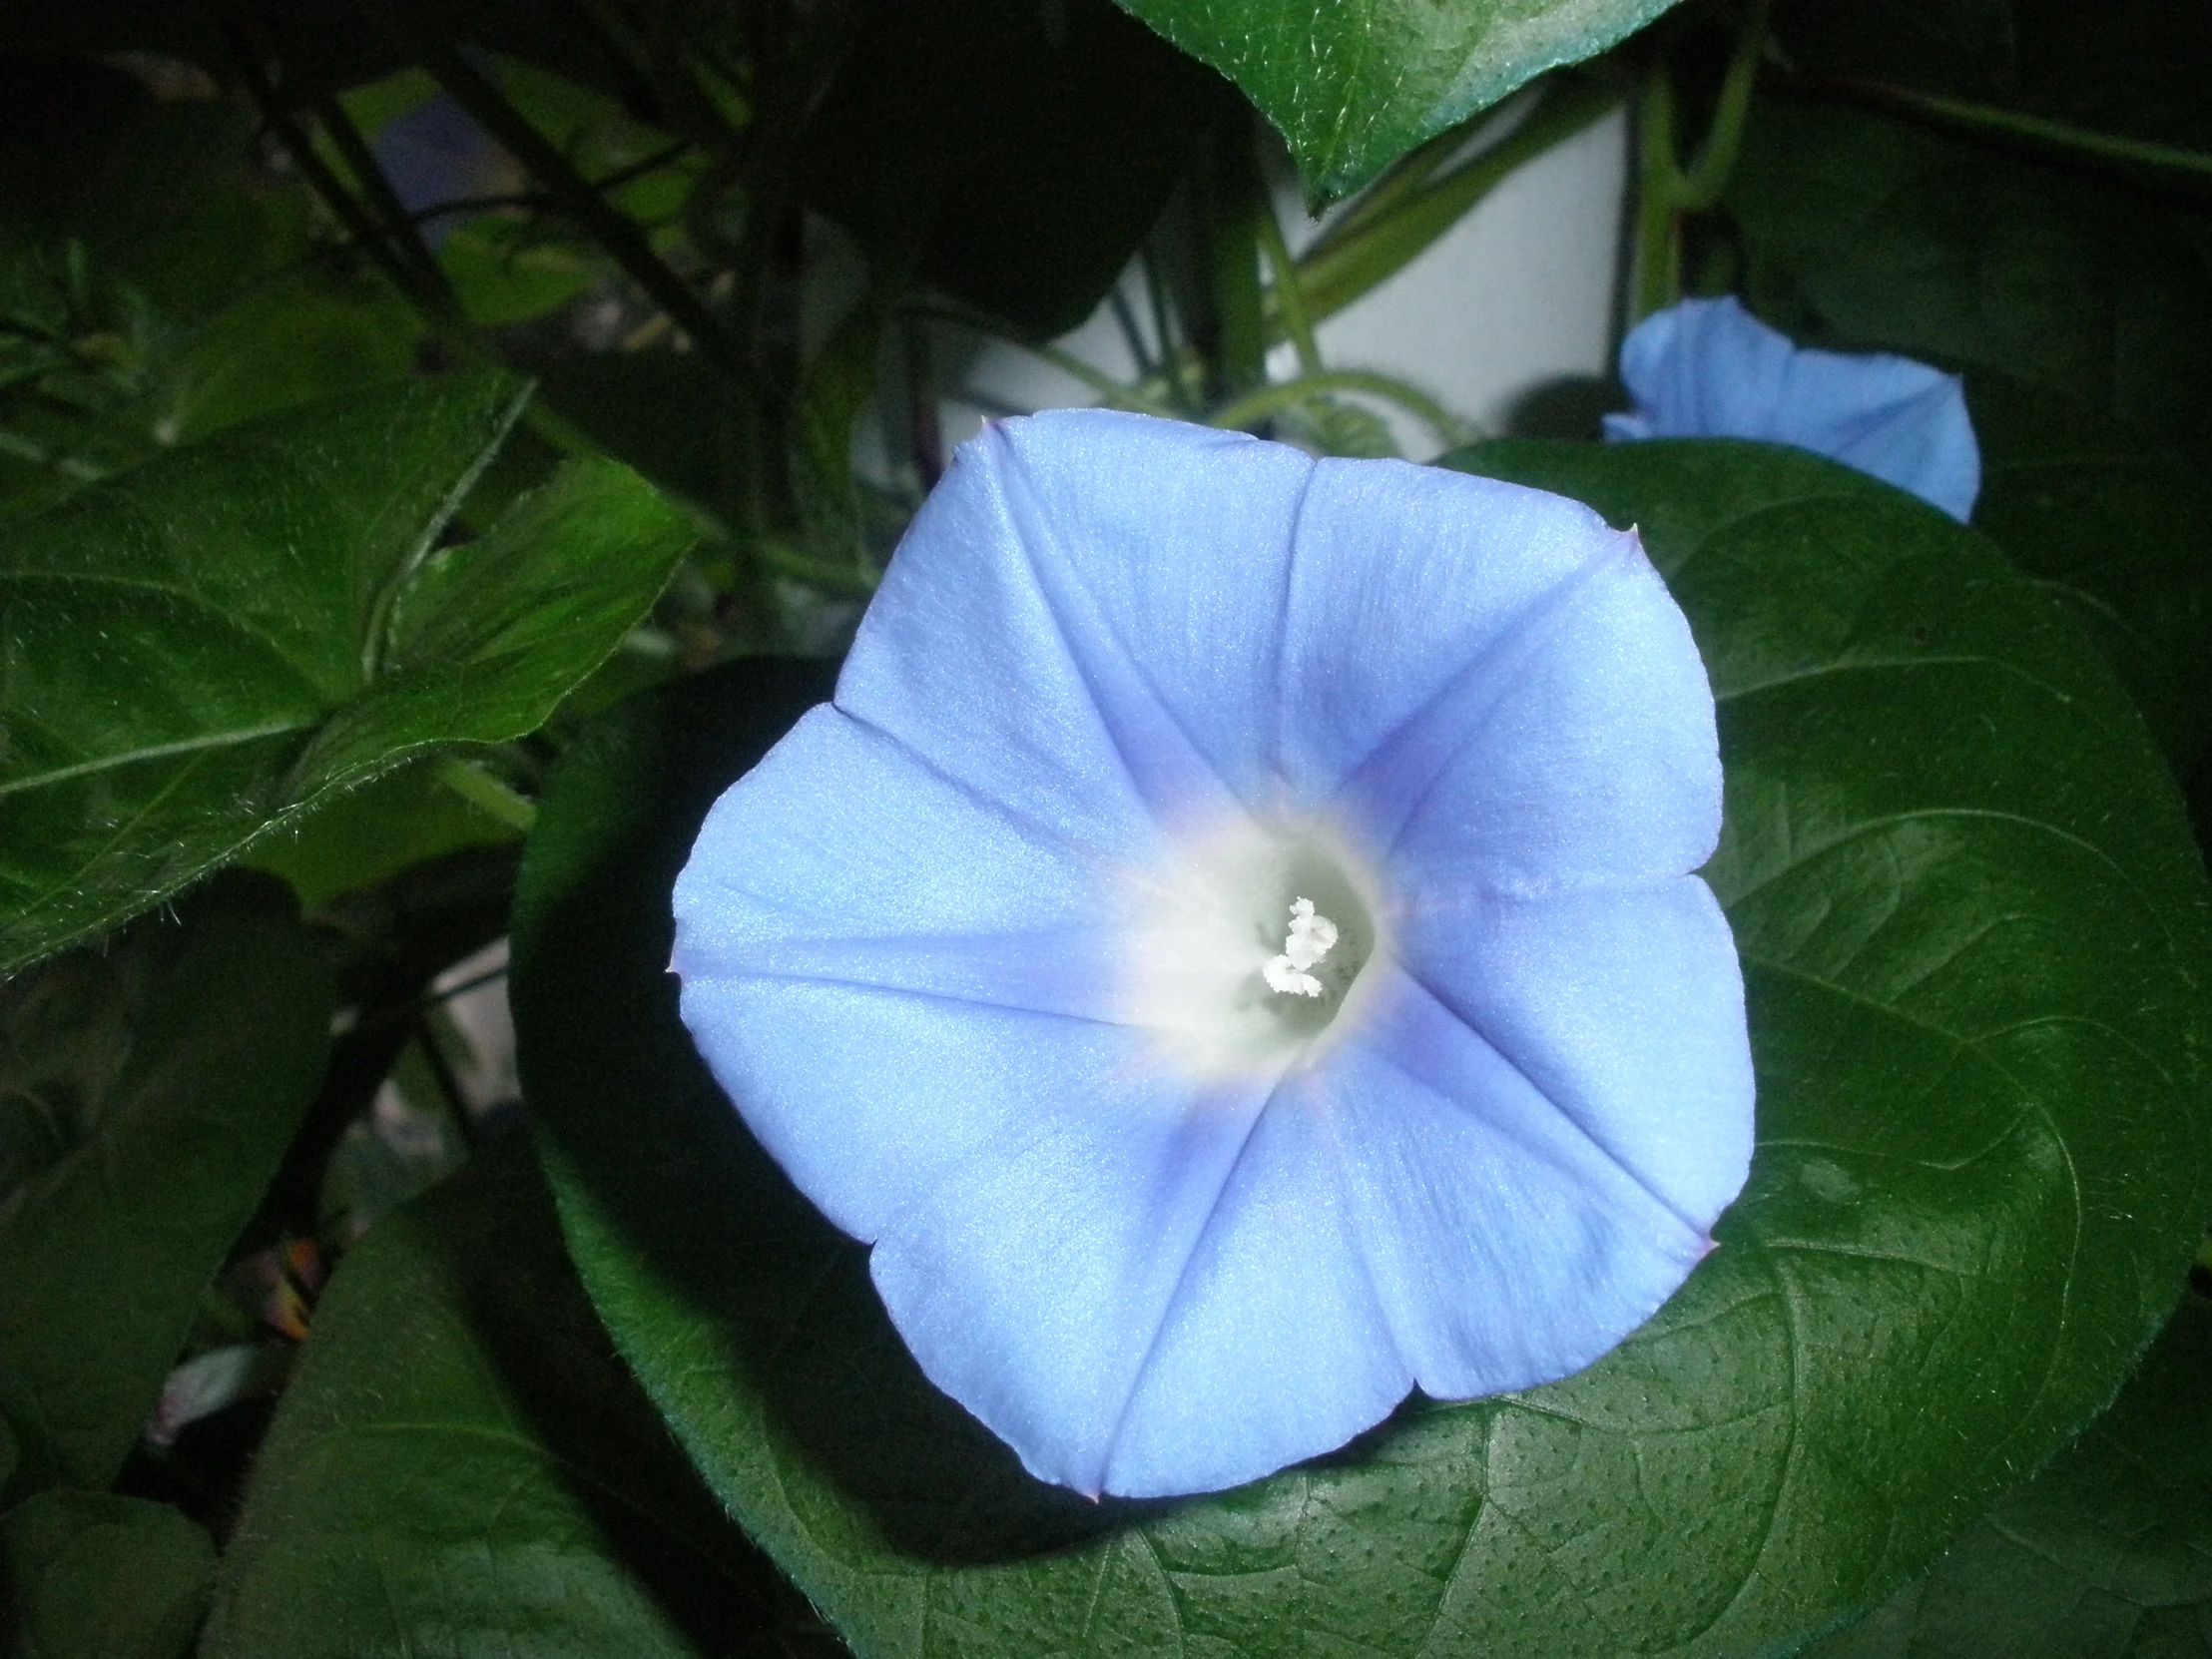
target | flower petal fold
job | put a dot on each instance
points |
(1579, 751)
(1625, 1010)
(853, 927)
(1427, 571)
(1274, 1309)
(1508, 1246)
(1709, 368)
(1030, 1282)
(1057, 621)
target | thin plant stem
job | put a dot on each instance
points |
(487, 793)
(1403, 178)
(1110, 390)
(1666, 191)
(924, 427)
(1657, 248)
(1256, 406)
(666, 156)
(1290, 300)
(1172, 362)
(2037, 130)
(1125, 319)
(624, 241)
(1700, 188)
(383, 203)
(448, 1082)
(433, 301)
(1366, 249)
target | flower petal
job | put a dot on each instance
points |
(841, 832)
(1709, 368)
(1507, 1245)
(1274, 1347)
(1086, 609)
(1625, 1009)
(1582, 751)
(837, 870)
(1405, 580)
(1030, 1282)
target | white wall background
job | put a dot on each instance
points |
(1522, 292)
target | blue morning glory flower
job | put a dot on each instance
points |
(1707, 368)
(1231, 945)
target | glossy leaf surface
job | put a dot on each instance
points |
(148, 1090)
(2108, 1551)
(1973, 930)
(201, 649)
(463, 1466)
(2080, 310)
(1867, 230)
(1352, 88)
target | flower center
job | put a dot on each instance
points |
(1310, 938)
(1248, 945)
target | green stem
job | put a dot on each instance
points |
(433, 301)
(1110, 390)
(667, 155)
(612, 230)
(1403, 178)
(850, 580)
(1233, 218)
(487, 793)
(1368, 246)
(37, 455)
(1285, 289)
(1700, 188)
(1665, 191)
(1657, 251)
(1982, 119)
(1256, 406)
(383, 204)
(1173, 359)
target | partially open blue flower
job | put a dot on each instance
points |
(1707, 368)
(1231, 945)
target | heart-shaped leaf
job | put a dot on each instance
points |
(1974, 932)
(201, 649)
(1352, 88)
(148, 1090)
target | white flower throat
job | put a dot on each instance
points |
(1247, 946)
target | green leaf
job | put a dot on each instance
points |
(2118, 523)
(201, 649)
(1864, 230)
(2108, 1551)
(2139, 69)
(463, 1466)
(148, 1090)
(403, 819)
(1352, 88)
(1014, 153)
(84, 1576)
(1974, 935)
(295, 340)
(2081, 311)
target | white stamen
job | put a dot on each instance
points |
(1308, 940)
